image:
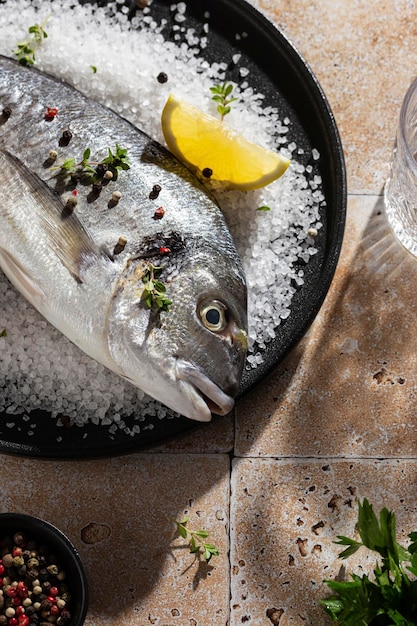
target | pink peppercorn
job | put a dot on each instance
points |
(22, 589)
(51, 113)
(159, 213)
(164, 250)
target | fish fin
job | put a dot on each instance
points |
(20, 277)
(65, 233)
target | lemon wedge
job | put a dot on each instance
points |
(215, 152)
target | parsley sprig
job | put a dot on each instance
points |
(196, 540)
(115, 161)
(26, 50)
(391, 598)
(155, 289)
(221, 95)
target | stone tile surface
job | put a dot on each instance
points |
(285, 516)
(118, 513)
(349, 388)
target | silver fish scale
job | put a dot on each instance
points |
(29, 137)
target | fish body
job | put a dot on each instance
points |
(69, 263)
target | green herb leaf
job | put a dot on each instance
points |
(353, 546)
(196, 543)
(155, 289)
(26, 50)
(360, 601)
(221, 94)
(86, 155)
(263, 208)
(93, 67)
(3, 333)
(182, 531)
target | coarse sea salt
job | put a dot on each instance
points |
(39, 367)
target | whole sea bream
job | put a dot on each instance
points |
(86, 268)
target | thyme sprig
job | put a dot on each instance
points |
(155, 289)
(114, 162)
(221, 95)
(26, 50)
(196, 540)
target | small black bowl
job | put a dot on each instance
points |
(48, 535)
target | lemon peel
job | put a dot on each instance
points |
(206, 144)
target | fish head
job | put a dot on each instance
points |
(194, 352)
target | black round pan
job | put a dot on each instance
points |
(280, 73)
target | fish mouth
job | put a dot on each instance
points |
(204, 395)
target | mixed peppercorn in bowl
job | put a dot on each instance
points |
(42, 579)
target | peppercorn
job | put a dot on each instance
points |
(162, 77)
(207, 172)
(66, 137)
(51, 113)
(120, 245)
(155, 192)
(19, 539)
(101, 169)
(46, 586)
(6, 113)
(52, 569)
(159, 213)
(116, 195)
(108, 175)
(70, 205)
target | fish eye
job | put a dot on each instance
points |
(214, 316)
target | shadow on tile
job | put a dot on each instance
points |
(119, 514)
(286, 515)
(348, 388)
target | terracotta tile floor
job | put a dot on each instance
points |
(335, 422)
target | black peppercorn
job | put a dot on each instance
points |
(162, 77)
(156, 189)
(207, 172)
(43, 575)
(6, 113)
(101, 169)
(66, 137)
